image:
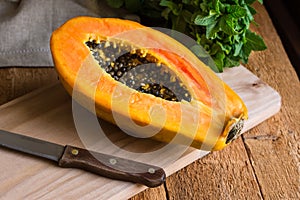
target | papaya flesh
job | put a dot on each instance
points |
(139, 77)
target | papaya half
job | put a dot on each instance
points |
(139, 77)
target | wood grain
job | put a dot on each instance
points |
(274, 146)
(220, 175)
(270, 151)
(263, 164)
(158, 193)
(47, 114)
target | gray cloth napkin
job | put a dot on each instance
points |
(26, 27)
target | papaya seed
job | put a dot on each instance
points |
(138, 69)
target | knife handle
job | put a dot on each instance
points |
(111, 167)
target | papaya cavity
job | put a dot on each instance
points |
(138, 69)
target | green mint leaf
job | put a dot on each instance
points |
(115, 3)
(211, 30)
(237, 11)
(178, 23)
(175, 8)
(214, 49)
(165, 13)
(204, 20)
(222, 7)
(225, 47)
(228, 62)
(219, 60)
(203, 6)
(237, 48)
(236, 2)
(228, 39)
(188, 2)
(252, 10)
(249, 14)
(221, 27)
(187, 16)
(227, 25)
(216, 6)
(244, 53)
(254, 42)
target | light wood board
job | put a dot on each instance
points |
(47, 114)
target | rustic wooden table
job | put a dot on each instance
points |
(262, 164)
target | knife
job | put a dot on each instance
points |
(95, 162)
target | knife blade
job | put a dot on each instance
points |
(73, 157)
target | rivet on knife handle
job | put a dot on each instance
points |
(105, 165)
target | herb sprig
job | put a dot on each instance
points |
(221, 27)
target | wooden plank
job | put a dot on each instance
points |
(47, 114)
(229, 170)
(258, 146)
(49, 118)
(274, 146)
(152, 193)
(226, 174)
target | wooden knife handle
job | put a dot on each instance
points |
(112, 167)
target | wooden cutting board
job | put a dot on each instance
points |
(47, 114)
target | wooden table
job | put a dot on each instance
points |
(262, 164)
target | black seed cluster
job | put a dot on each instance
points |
(138, 70)
(158, 91)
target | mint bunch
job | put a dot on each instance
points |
(221, 27)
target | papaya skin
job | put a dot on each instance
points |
(194, 121)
